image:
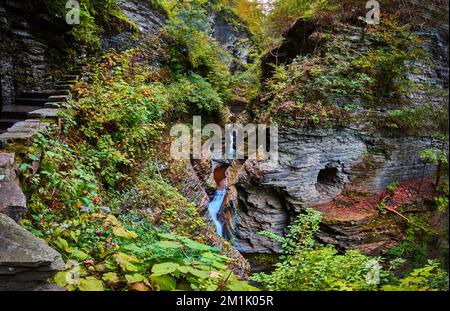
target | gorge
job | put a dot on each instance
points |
(90, 190)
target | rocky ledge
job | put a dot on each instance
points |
(13, 202)
(26, 262)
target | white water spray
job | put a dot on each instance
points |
(214, 209)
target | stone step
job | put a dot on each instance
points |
(13, 137)
(7, 123)
(57, 98)
(44, 113)
(28, 126)
(44, 93)
(16, 112)
(76, 72)
(70, 78)
(66, 87)
(23, 131)
(67, 82)
(56, 105)
(31, 101)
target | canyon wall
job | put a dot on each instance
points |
(31, 42)
(317, 165)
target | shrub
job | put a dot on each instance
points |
(307, 266)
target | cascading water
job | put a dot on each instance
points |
(221, 180)
(214, 209)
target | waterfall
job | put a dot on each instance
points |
(214, 208)
(221, 181)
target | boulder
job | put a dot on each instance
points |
(26, 262)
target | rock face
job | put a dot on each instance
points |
(299, 41)
(26, 262)
(148, 20)
(12, 199)
(234, 40)
(28, 38)
(35, 44)
(314, 167)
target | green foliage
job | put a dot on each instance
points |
(309, 266)
(253, 16)
(195, 92)
(439, 157)
(189, 28)
(429, 278)
(416, 240)
(427, 119)
(105, 254)
(292, 105)
(161, 204)
(97, 17)
(301, 233)
(125, 129)
(330, 86)
(390, 60)
(393, 186)
(441, 202)
(434, 156)
(286, 12)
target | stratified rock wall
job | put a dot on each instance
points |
(236, 41)
(314, 167)
(25, 62)
(317, 165)
(148, 20)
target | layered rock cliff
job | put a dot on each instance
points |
(317, 165)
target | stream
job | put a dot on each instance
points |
(214, 209)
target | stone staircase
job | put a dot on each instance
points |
(26, 261)
(33, 109)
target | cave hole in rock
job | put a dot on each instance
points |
(328, 180)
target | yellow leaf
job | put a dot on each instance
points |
(123, 233)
